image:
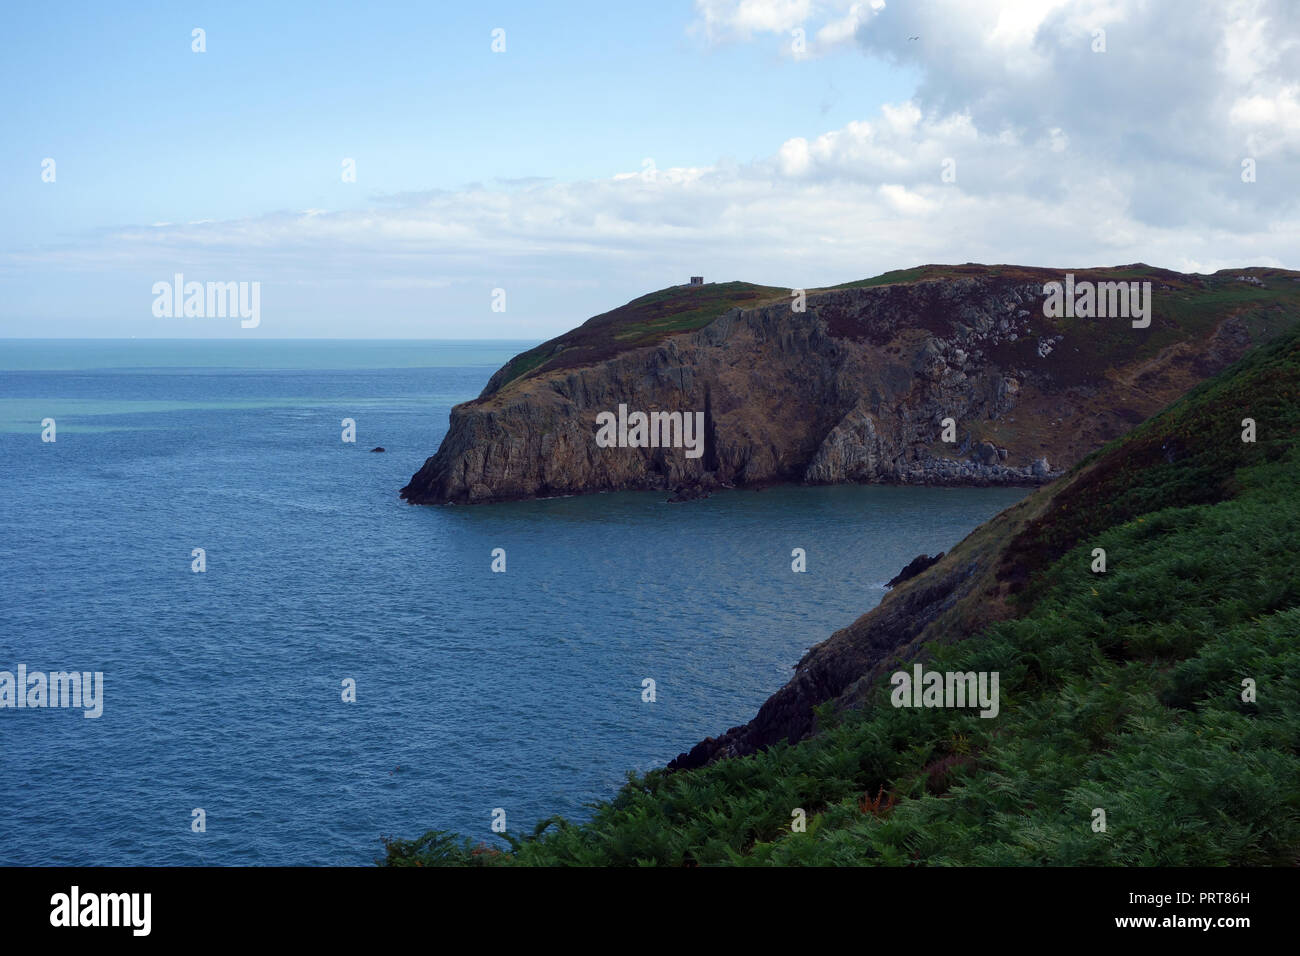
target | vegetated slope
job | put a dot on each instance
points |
(854, 388)
(1120, 691)
(644, 321)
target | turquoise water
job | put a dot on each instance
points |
(144, 355)
(475, 690)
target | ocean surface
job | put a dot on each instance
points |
(474, 690)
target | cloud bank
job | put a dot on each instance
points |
(1049, 132)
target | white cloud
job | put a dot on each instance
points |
(845, 28)
(793, 158)
(833, 23)
(1063, 157)
(742, 18)
(1269, 123)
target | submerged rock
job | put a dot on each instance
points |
(688, 493)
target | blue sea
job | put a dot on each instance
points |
(475, 690)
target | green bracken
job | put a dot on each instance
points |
(1121, 691)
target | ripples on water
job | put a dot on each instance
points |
(519, 690)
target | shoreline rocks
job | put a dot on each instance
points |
(856, 389)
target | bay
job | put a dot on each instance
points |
(475, 690)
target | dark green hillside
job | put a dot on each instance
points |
(1120, 691)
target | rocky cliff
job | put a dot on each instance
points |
(856, 386)
(1187, 456)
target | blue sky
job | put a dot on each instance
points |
(613, 149)
(145, 130)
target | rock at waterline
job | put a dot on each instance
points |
(693, 492)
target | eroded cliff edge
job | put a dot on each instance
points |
(1190, 453)
(853, 388)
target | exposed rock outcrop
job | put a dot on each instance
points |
(858, 388)
(970, 587)
(913, 568)
(855, 653)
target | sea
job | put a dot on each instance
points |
(347, 667)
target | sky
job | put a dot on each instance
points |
(520, 167)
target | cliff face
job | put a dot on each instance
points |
(1187, 456)
(854, 388)
(1122, 688)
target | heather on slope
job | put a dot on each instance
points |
(1125, 691)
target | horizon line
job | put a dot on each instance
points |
(245, 338)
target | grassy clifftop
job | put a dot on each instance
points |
(1120, 691)
(647, 320)
(1184, 306)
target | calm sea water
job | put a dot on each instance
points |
(475, 690)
